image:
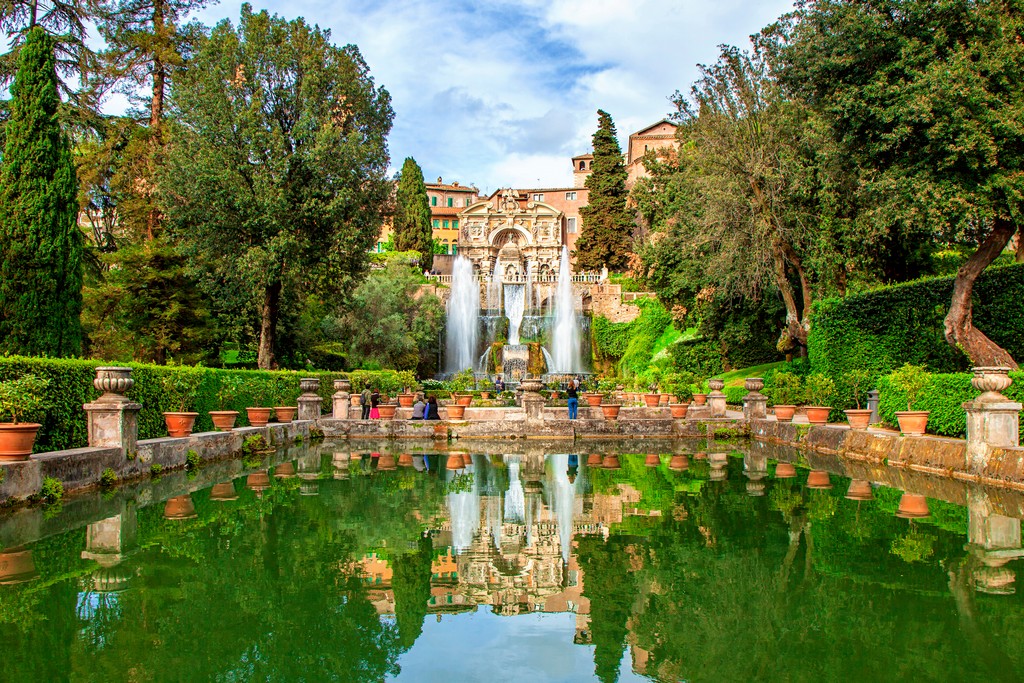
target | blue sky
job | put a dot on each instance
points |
(503, 94)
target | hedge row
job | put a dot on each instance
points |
(944, 397)
(630, 344)
(702, 357)
(168, 388)
(881, 330)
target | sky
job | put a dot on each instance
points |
(501, 94)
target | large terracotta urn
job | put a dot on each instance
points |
(17, 440)
(179, 507)
(593, 399)
(785, 470)
(258, 417)
(285, 413)
(818, 479)
(859, 418)
(679, 463)
(611, 462)
(406, 400)
(785, 413)
(610, 411)
(700, 399)
(652, 460)
(285, 470)
(386, 462)
(224, 420)
(860, 489)
(456, 412)
(912, 506)
(223, 491)
(652, 400)
(679, 410)
(818, 415)
(387, 411)
(593, 460)
(180, 424)
(912, 422)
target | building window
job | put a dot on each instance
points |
(437, 223)
(538, 197)
(455, 249)
(455, 225)
(469, 201)
(583, 166)
(570, 225)
(570, 196)
(451, 202)
(433, 201)
(444, 224)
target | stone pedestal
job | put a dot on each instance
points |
(755, 404)
(109, 540)
(341, 400)
(533, 402)
(113, 420)
(309, 399)
(716, 399)
(993, 421)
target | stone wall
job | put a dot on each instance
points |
(608, 300)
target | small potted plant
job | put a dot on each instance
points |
(258, 416)
(593, 393)
(179, 387)
(683, 393)
(486, 386)
(912, 379)
(700, 396)
(786, 392)
(406, 398)
(857, 382)
(224, 419)
(462, 382)
(20, 399)
(820, 391)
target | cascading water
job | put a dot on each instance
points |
(515, 497)
(565, 336)
(528, 297)
(514, 309)
(494, 288)
(464, 509)
(562, 494)
(463, 318)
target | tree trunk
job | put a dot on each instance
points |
(156, 116)
(268, 328)
(959, 327)
(796, 322)
(1019, 250)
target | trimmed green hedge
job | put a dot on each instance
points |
(630, 344)
(70, 386)
(944, 397)
(881, 330)
(702, 357)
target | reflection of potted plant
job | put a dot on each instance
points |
(857, 382)
(912, 379)
(820, 392)
(224, 419)
(19, 399)
(786, 392)
(179, 388)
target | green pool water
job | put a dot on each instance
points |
(686, 562)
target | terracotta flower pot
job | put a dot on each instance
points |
(223, 491)
(679, 410)
(593, 399)
(180, 424)
(700, 399)
(387, 411)
(258, 417)
(652, 400)
(285, 470)
(611, 411)
(454, 461)
(456, 412)
(285, 414)
(818, 479)
(17, 440)
(784, 413)
(485, 395)
(818, 415)
(467, 459)
(912, 506)
(664, 399)
(912, 422)
(610, 462)
(258, 481)
(440, 431)
(406, 400)
(593, 460)
(464, 399)
(785, 470)
(405, 460)
(860, 489)
(679, 463)
(858, 418)
(386, 462)
(224, 420)
(179, 507)
(652, 460)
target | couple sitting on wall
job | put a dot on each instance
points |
(425, 409)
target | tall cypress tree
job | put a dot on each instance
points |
(412, 214)
(40, 243)
(607, 229)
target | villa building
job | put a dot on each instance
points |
(447, 201)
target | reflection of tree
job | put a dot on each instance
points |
(411, 583)
(611, 590)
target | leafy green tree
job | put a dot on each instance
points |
(606, 239)
(388, 323)
(275, 173)
(926, 98)
(40, 243)
(412, 214)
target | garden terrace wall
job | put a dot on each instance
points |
(64, 423)
(881, 330)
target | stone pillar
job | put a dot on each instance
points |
(995, 540)
(109, 540)
(993, 421)
(716, 399)
(533, 402)
(872, 405)
(755, 404)
(113, 419)
(309, 400)
(341, 399)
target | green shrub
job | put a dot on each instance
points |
(880, 330)
(192, 460)
(156, 469)
(108, 478)
(820, 390)
(734, 395)
(699, 356)
(22, 398)
(630, 344)
(52, 491)
(856, 383)
(787, 389)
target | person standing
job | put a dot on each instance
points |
(374, 402)
(364, 401)
(574, 399)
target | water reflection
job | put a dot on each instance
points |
(378, 563)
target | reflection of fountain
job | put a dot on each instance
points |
(515, 499)
(565, 336)
(463, 317)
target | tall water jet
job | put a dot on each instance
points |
(565, 336)
(463, 318)
(514, 309)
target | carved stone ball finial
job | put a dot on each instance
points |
(992, 381)
(113, 382)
